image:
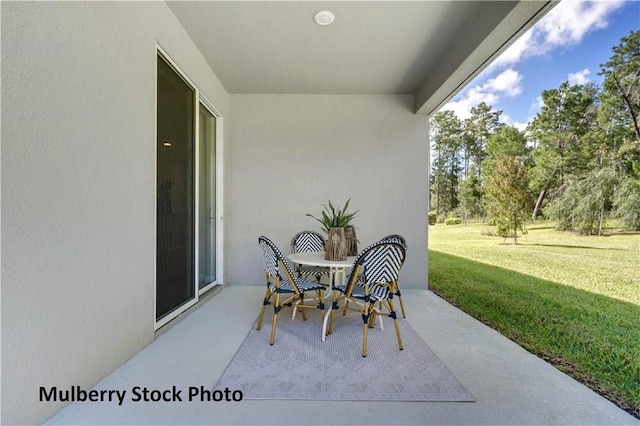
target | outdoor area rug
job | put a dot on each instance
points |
(300, 366)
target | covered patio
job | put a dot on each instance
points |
(510, 386)
(303, 113)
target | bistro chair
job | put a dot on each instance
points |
(308, 242)
(285, 289)
(378, 267)
(360, 283)
(398, 239)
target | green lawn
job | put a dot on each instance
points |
(574, 301)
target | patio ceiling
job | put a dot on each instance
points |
(426, 48)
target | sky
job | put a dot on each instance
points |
(567, 44)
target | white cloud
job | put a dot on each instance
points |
(506, 119)
(565, 25)
(515, 52)
(572, 19)
(520, 126)
(580, 77)
(505, 84)
(537, 105)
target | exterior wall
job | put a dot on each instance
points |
(291, 153)
(78, 189)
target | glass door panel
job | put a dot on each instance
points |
(175, 233)
(207, 198)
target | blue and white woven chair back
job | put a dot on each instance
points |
(395, 238)
(307, 242)
(381, 262)
(272, 256)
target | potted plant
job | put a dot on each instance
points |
(334, 221)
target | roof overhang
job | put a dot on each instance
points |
(430, 49)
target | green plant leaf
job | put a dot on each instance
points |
(332, 217)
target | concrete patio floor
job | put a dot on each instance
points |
(510, 386)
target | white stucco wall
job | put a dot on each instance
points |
(291, 153)
(78, 184)
(78, 189)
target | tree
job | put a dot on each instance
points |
(470, 196)
(447, 137)
(509, 197)
(622, 79)
(557, 132)
(619, 117)
(582, 152)
(479, 127)
(584, 202)
(506, 141)
(627, 203)
(507, 185)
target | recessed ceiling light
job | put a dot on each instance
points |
(324, 17)
(167, 144)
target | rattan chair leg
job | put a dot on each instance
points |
(302, 309)
(259, 321)
(399, 295)
(366, 317)
(273, 329)
(372, 318)
(400, 345)
(365, 328)
(267, 295)
(397, 326)
(274, 324)
(320, 301)
(395, 323)
(331, 315)
(330, 325)
(401, 306)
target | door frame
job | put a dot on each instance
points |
(198, 98)
(219, 206)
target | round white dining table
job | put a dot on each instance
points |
(337, 274)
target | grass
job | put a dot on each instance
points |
(574, 301)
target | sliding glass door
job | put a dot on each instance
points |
(188, 223)
(175, 226)
(206, 198)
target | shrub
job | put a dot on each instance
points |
(627, 204)
(453, 221)
(432, 218)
